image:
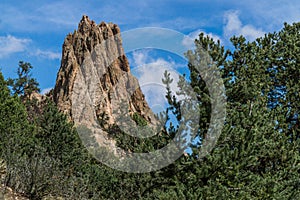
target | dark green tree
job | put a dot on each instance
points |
(257, 154)
(24, 84)
(255, 157)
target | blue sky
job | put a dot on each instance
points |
(34, 31)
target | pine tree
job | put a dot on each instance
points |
(24, 84)
(257, 154)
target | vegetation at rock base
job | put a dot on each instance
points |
(256, 157)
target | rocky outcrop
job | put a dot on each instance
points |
(94, 80)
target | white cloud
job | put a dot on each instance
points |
(233, 26)
(45, 90)
(39, 16)
(47, 54)
(188, 40)
(179, 23)
(10, 45)
(140, 58)
(269, 14)
(150, 73)
(57, 13)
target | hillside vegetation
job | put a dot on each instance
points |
(256, 157)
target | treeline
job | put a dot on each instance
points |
(256, 157)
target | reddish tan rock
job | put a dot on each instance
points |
(94, 82)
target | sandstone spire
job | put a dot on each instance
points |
(94, 70)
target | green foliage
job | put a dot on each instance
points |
(138, 145)
(139, 120)
(256, 156)
(24, 84)
(56, 134)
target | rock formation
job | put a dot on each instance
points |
(96, 53)
(94, 80)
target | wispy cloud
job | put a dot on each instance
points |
(179, 23)
(62, 13)
(10, 45)
(233, 26)
(269, 14)
(39, 16)
(47, 54)
(188, 41)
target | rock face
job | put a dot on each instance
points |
(94, 80)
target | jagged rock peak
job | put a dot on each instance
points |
(89, 34)
(86, 25)
(94, 68)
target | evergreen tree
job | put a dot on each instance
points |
(257, 155)
(24, 84)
